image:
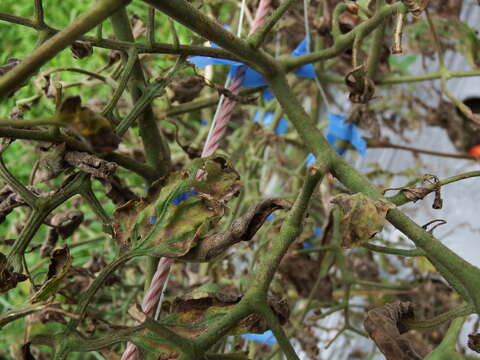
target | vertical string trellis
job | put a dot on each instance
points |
(216, 133)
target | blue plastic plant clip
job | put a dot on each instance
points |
(282, 126)
(305, 71)
(338, 128)
(310, 159)
(267, 338)
(151, 220)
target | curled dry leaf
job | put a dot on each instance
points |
(81, 49)
(416, 6)
(67, 222)
(362, 217)
(178, 210)
(116, 191)
(60, 264)
(186, 89)
(25, 353)
(91, 164)
(474, 342)
(95, 128)
(361, 88)
(51, 162)
(242, 229)
(63, 224)
(11, 63)
(9, 200)
(383, 325)
(8, 278)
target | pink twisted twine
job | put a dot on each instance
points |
(225, 112)
(153, 294)
(150, 300)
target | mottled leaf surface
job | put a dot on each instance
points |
(362, 217)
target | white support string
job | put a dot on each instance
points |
(229, 78)
(323, 94)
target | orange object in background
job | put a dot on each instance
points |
(475, 151)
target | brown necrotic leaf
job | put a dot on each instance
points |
(60, 264)
(67, 222)
(474, 342)
(11, 63)
(81, 49)
(51, 162)
(8, 278)
(361, 88)
(25, 352)
(384, 326)
(91, 164)
(242, 229)
(362, 217)
(93, 127)
(116, 191)
(186, 89)
(9, 200)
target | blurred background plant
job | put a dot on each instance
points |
(318, 277)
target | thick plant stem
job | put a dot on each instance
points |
(291, 228)
(85, 22)
(157, 151)
(377, 44)
(447, 348)
(453, 266)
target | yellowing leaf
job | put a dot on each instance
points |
(362, 217)
(85, 122)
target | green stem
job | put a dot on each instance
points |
(257, 38)
(464, 273)
(463, 310)
(127, 71)
(51, 47)
(377, 43)
(157, 151)
(277, 330)
(29, 197)
(393, 251)
(446, 349)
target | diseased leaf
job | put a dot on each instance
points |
(362, 217)
(81, 49)
(92, 126)
(91, 164)
(193, 314)
(242, 229)
(51, 162)
(415, 193)
(8, 278)
(383, 325)
(60, 264)
(361, 88)
(11, 63)
(67, 222)
(474, 342)
(116, 191)
(25, 352)
(9, 200)
(178, 210)
(186, 89)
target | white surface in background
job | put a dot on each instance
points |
(461, 200)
